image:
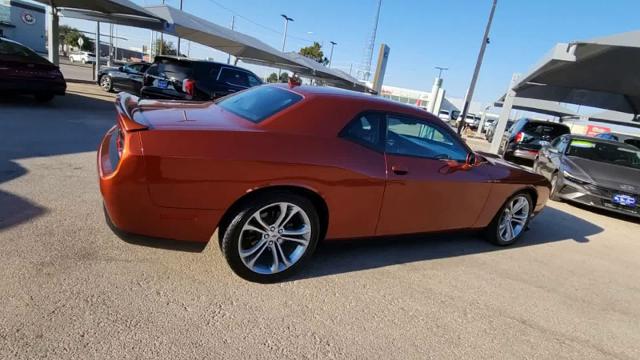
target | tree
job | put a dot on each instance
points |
(71, 35)
(273, 78)
(314, 52)
(164, 47)
(284, 77)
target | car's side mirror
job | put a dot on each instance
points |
(471, 159)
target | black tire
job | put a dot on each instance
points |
(105, 83)
(44, 97)
(555, 185)
(232, 233)
(492, 231)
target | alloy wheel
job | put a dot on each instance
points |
(514, 218)
(105, 83)
(274, 238)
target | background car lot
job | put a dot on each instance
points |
(72, 289)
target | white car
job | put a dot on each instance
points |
(84, 57)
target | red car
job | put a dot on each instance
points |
(277, 168)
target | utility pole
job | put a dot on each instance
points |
(333, 43)
(440, 70)
(476, 71)
(233, 25)
(284, 38)
(178, 51)
(161, 46)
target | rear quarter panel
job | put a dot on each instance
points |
(213, 169)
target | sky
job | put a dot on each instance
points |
(422, 34)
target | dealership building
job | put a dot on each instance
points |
(23, 22)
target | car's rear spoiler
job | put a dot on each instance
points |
(126, 107)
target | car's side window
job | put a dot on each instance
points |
(234, 77)
(254, 81)
(415, 137)
(365, 129)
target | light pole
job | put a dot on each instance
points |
(284, 38)
(178, 51)
(476, 71)
(333, 43)
(440, 70)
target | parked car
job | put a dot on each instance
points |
(594, 172)
(487, 124)
(277, 168)
(22, 71)
(84, 57)
(127, 77)
(491, 130)
(444, 115)
(609, 136)
(179, 78)
(525, 138)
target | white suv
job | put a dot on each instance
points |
(84, 57)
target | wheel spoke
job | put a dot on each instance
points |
(509, 231)
(517, 220)
(257, 217)
(305, 229)
(253, 228)
(294, 211)
(519, 205)
(304, 242)
(253, 260)
(283, 212)
(254, 248)
(276, 264)
(284, 258)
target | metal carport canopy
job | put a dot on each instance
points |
(190, 27)
(538, 106)
(601, 72)
(122, 12)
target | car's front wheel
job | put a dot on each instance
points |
(511, 221)
(271, 237)
(106, 83)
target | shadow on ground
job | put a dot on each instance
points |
(343, 256)
(68, 124)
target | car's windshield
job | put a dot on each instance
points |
(258, 103)
(605, 152)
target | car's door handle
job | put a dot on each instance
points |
(399, 170)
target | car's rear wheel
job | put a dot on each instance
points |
(106, 84)
(511, 221)
(271, 237)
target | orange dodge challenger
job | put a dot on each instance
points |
(277, 168)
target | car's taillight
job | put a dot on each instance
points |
(519, 136)
(120, 143)
(189, 86)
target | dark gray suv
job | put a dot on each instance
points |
(178, 78)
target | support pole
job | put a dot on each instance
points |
(504, 115)
(476, 71)
(97, 67)
(233, 24)
(53, 40)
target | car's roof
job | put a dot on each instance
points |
(328, 91)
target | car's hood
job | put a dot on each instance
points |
(604, 174)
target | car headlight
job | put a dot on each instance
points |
(575, 179)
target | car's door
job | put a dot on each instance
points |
(119, 78)
(427, 188)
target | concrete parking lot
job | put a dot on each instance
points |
(72, 289)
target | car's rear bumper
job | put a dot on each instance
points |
(33, 86)
(593, 196)
(129, 207)
(525, 154)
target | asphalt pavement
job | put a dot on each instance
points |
(71, 289)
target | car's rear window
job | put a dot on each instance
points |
(259, 103)
(537, 129)
(15, 51)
